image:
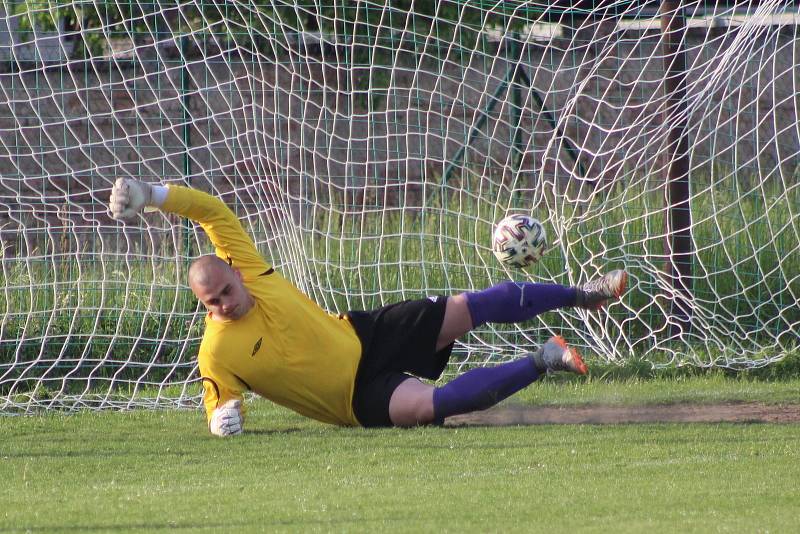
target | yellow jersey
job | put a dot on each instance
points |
(285, 348)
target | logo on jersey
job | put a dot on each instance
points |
(433, 299)
(256, 346)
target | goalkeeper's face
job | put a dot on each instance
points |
(224, 294)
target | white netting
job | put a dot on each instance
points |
(370, 149)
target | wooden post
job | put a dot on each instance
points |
(679, 220)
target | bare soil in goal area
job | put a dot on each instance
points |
(515, 414)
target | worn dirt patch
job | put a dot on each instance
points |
(515, 414)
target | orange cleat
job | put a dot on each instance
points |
(556, 355)
(594, 294)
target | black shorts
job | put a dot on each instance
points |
(397, 341)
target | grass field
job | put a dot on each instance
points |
(161, 470)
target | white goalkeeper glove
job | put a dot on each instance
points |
(227, 419)
(129, 197)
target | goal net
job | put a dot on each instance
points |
(369, 147)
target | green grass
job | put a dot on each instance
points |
(638, 383)
(695, 478)
(714, 388)
(160, 470)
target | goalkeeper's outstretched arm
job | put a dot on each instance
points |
(130, 197)
(222, 398)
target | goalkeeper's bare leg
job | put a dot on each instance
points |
(413, 402)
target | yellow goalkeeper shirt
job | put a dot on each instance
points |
(285, 348)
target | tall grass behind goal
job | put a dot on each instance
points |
(370, 149)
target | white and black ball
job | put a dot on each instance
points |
(519, 241)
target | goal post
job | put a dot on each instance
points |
(370, 148)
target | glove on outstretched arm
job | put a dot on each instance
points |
(227, 419)
(129, 197)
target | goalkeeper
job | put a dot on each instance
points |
(361, 368)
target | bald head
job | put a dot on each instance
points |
(208, 270)
(220, 288)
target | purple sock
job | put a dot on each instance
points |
(511, 302)
(480, 388)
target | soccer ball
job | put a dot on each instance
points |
(519, 241)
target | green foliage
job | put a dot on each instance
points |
(445, 247)
(370, 37)
(92, 23)
(73, 316)
(93, 322)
